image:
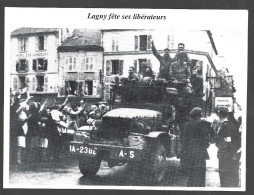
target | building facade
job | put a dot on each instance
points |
(34, 60)
(125, 48)
(80, 64)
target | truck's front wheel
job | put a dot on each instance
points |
(159, 163)
(89, 166)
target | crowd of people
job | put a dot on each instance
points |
(39, 131)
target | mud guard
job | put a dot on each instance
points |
(162, 136)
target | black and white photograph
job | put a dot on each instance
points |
(125, 99)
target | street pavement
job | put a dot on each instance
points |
(65, 172)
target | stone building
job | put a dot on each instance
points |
(80, 63)
(34, 60)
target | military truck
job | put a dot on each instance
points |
(136, 130)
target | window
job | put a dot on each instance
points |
(74, 88)
(22, 66)
(89, 64)
(142, 42)
(22, 82)
(22, 44)
(40, 83)
(41, 43)
(171, 41)
(88, 88)
(114, 67)
(40, 64)
(115, 45)
(71, 64)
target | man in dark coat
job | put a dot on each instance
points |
(195, 140)
(228, 143)
(165, 62)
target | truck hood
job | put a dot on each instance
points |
(133, 113)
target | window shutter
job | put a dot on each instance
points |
(15, 83)
(168, 42)
(28, 83)
(33, 83)
(135, 65)
(149, 44)
(25, 43)
(74, 64)
(121, 68)
(17, 66)
(26, 65)
(70, 64)
(87, 63)
(35, 65)
(83, 64)
(117, 46)
(45, 42)
(108, 68)
(46, 83)
(91, 63)
(113, 44)
(37, 43)
(66, 64)
(172, 41)
(136, 42)
(45, 64)
(19, 44)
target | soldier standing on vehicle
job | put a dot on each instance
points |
(132, 75)
(165, 62)
(195, 143)
(181, 53)
(180, 73)
(228, 143)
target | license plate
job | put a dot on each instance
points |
(126, 154)
(83, 150)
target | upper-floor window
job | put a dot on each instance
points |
(73, 64)
(22, 42)
(115, 45)
(171, 41)
(142, 42)
(41, 43)
(114, 67)
(40, 64)
(138, 65)
(22, 65)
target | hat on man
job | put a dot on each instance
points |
(166, 49)
(196, 112)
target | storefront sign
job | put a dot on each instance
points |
(224, 102)
(35, 55)
(80, 76)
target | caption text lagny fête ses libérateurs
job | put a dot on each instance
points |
(114, 16)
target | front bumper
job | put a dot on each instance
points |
(94, 149)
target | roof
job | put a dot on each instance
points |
(132, 113)
(25, 31)
(83, 39)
